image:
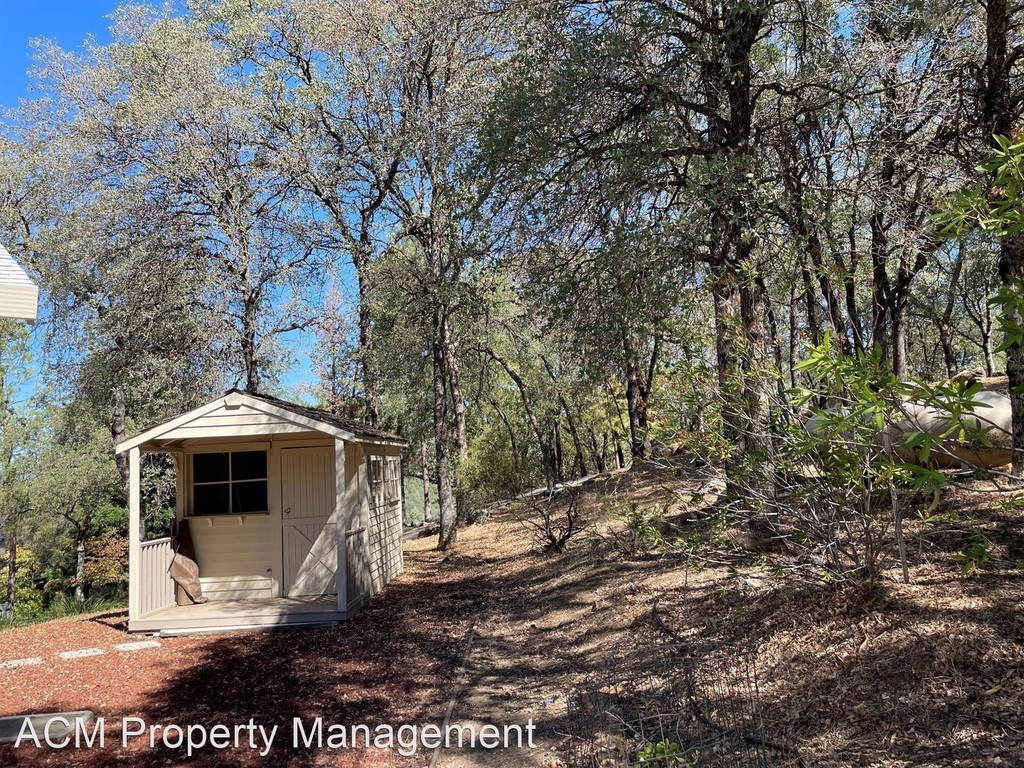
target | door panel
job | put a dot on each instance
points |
(309, 535)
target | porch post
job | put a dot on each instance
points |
(134, 542)
(341, 524)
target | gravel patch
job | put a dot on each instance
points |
(81, 653)
(20, 663)
(137, 645)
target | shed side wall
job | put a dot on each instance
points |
(385, 501)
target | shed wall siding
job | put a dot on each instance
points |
(19, 301)
(19, 296)
(235, 555)
(385, 512)
(359, 585)
(393, 556)
(233, 422)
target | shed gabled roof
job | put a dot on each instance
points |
(314, 419)
(318, 414)
(19, 296)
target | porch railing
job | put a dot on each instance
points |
(156, 585)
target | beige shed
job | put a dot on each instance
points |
(295, 515)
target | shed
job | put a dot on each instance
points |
(19, 296)
(295, 515)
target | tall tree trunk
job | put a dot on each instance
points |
(80, 566)
(1011, 268)
(458, 404)
(999, 98)
(946, 321)
(850, 289)
(428, 514)
(744, 380)
(367, 364)
(638, 383)
(443, 440)
(986, 348)
(726, 301)
(250, 358)
(636, 407)
(600, 452)
(948, 352)
(880, 276)
(117, 432)
(559, 455)
(757, 378)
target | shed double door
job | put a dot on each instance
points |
(308, 534)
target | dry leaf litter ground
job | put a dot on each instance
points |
(927, 674)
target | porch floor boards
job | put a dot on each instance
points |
(224, 615)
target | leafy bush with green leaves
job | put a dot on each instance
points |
(28, 599)
(664, 754)
(975, 554)
(847, 465)
(110, 518)
(62, 606)
(639, 530)
(495, 471)
(106, 560)
(66, 605)
(158, 523)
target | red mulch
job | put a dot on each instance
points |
(392, 664)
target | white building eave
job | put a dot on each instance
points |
(19, 296)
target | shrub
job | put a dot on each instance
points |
(28, 599)
(840, 482)
(106, 560)
(641, 532)
(66, 605)
(554, 522)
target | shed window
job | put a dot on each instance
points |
(229, 483)
(393, 478)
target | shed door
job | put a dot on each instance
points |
(309, 536)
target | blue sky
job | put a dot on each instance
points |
(66, 21)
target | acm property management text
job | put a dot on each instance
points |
(61, 733)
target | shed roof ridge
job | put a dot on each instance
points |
(319, 414)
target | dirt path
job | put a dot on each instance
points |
(493, 691)
(548, 625)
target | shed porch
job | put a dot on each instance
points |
(223, 615)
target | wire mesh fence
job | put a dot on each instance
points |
(674, 705)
